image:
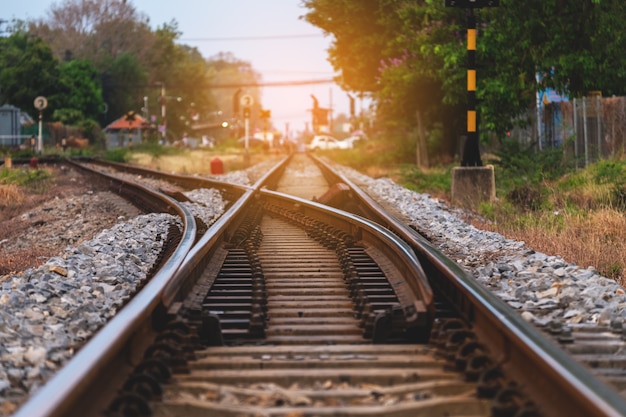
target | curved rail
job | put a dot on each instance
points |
(570, 387)
(69, 389)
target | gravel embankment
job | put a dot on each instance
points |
(540, 286)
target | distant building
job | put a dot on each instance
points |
(10, 126)
(124, 131)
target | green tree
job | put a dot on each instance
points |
(80, 93)
(123, 86)
(27, 69)
(394, 51)
(412, 56)
(95, 30)
(361, 35)
(134, 63)
(185, 75)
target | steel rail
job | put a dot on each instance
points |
(564, 386)
(415, 284)
(227, 224)
(72, 387)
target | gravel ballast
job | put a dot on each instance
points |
(47, 312)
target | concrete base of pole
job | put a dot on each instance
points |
(473, 185)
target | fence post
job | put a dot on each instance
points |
(585, 132)
(599, 127)
(575, 119)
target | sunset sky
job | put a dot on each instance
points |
(268, 34)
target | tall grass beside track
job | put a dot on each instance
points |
(16, 182)
(541, 199)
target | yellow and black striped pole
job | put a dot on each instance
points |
(471, 151)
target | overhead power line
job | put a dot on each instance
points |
(274, 83)
(233, 85)
(252, 38)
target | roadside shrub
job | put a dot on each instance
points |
(117, 155)
(36, 180)
(608, 172)
(23, 176)
(518, 165)
(526, 197)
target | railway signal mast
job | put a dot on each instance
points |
(472, 183)
(471, 152)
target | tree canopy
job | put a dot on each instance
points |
(97, 60)
(411, 56)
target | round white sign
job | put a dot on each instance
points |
(41, 103)
(246, 100)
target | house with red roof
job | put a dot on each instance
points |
(125, 131)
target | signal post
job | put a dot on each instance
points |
(472, 182)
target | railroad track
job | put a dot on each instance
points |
(290, 307)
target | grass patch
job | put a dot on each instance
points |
(10, 195)
(122, 155)
(15, 182)
(593, 238)
(24, 176)
(374, 158)
(435, 181)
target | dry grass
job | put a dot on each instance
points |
(596, 238)
(18, 261)
(10, 195)
(198, 162)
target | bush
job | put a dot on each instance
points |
(606, 172)
(517, 164)
(23, 176)
(117, 155)
(526, 197)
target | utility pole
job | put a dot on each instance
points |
(163, 127)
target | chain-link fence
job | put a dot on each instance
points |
(588, 129)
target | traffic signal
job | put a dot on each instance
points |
(265, 114)
(246, 112)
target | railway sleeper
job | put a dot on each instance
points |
(230, 302)
(237, 298)
(370, 290)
